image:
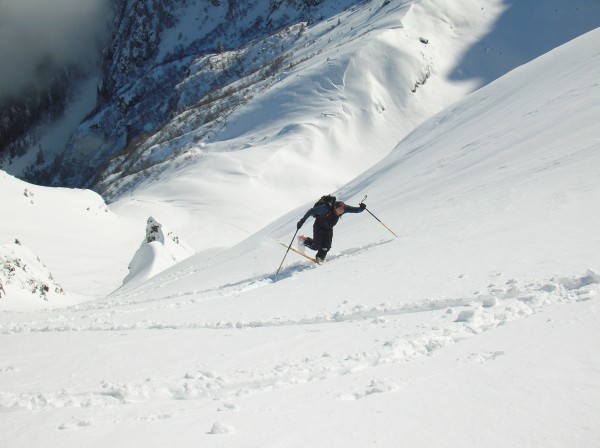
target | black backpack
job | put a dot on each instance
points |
(327, 199)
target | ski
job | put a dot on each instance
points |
(314, 260)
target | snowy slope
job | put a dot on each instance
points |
(494, 170)
(476, 327)
(355, 83)
(82, 243)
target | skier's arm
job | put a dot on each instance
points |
(350, 209)
(315, 211)
(319, 210)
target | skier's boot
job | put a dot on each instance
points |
(321, 254)
(301, 245)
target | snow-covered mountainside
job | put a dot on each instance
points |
(348, 89)
(157, 45)
(177, 73)
(476, 326)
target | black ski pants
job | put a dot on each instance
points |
(321, 241)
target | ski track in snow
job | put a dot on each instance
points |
(450, 321)
(127, 298)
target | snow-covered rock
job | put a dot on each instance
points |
(24, 279)
(159, 250)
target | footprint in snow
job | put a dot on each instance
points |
(377, 386)
(74, 424)
(155, 417)
(228, 407)
(482, 358)
(219, 428)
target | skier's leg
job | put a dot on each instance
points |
(326, 240)
(315, 242)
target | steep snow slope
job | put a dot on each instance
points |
(504, 180)
(476, 327)
(351, 86)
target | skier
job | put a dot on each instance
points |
(326, 217)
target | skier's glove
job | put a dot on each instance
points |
(362, 206)
(300, 224)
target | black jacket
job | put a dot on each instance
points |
(325, 218)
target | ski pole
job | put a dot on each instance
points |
(391, 231)
(286, 252)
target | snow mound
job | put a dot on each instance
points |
(156, 254)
